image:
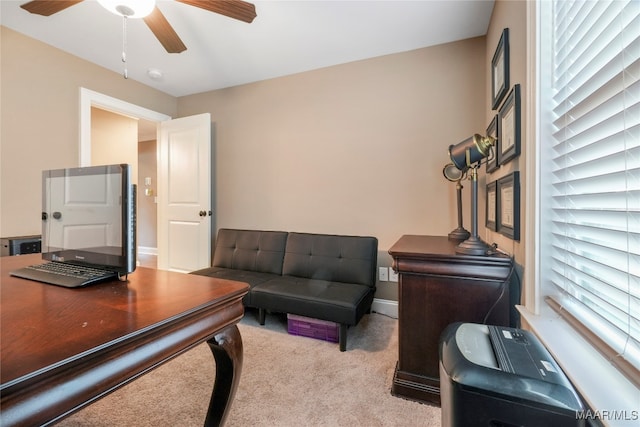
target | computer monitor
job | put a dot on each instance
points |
(89, 217)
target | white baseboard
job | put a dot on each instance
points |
(386, 307)
(145, 250)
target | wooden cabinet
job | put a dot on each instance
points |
(438, 287)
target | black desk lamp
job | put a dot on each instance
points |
(453, 174)
(467, 156)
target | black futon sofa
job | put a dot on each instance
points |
(327, 277)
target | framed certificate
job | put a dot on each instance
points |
(493, 162)
(500, 70)
(509, 127)
(491, 206)
(508, 205)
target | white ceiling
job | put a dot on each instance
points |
(287, 37)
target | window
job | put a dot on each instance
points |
(590, 171)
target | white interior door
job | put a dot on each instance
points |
(184, 193)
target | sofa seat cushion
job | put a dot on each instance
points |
(252, 250)
(253, 278)
(338, 302)
(347, 259)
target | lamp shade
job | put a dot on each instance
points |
(452, 173)
(470, 151)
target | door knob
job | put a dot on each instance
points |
(203, 213)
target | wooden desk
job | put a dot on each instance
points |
(438, 287)
(63, 349)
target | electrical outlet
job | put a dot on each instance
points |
(393, 276)
(383, 274)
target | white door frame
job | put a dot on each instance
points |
(88, 99)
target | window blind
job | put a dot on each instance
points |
(593, 178)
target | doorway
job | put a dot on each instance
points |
(116, 138)
(147, 193)
(142, 156)
(184, 153)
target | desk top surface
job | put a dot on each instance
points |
(435, 247)
(44, 325)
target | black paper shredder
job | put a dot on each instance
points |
(501, 376)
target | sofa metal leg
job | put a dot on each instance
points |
(342, 336)
(261, 315)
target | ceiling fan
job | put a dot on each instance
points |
(155, 20)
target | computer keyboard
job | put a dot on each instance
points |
(63, 274)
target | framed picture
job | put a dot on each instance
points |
(492, 204)
(493, 162)
(508, 205)
(500, 70)
(509, 127)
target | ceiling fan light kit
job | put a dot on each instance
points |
(153, 17)
(129, 8)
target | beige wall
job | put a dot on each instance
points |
(39, 120)
(147, 207)
(351, 149)
(355, 149)
(512, 15)
(114, 139)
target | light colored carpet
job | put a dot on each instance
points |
(286, 380)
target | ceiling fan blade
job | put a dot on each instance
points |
(164, 32)
(236, 9)
(48, 7)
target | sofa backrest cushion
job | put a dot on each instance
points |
(349, 259)
(253, 250)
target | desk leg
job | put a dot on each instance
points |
(227, 352)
